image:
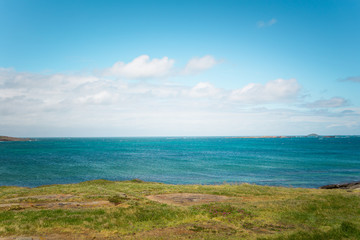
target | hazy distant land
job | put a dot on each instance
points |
(313, 135)
(13, 139)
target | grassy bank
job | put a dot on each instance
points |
(103, 209)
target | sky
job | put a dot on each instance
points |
(179, 68)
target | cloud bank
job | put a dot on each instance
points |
(273, 91)
(334, 102)
(88, 105)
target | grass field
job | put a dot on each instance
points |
(103, 209)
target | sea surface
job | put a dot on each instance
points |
(296, 162)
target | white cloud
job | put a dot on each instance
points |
(142, 67)
(334, 102)
(196, 65)
(278, 90)
(269, 23)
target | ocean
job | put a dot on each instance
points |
(289, 162)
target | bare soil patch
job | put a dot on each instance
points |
(51, 197)
(54, 205)
(187, 199)
(63, 236)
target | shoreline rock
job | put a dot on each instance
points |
(353, 185)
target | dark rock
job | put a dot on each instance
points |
(352, 185)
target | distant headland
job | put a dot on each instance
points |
(312, 135)
(13, 139)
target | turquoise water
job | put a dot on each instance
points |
(297, 162)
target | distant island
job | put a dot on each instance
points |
(312, 135)
(13, 139)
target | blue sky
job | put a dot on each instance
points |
(155, 68)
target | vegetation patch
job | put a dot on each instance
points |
(143, 210)
(117, 199)
(346, 230)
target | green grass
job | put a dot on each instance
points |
(346, 230)
(251, 212)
